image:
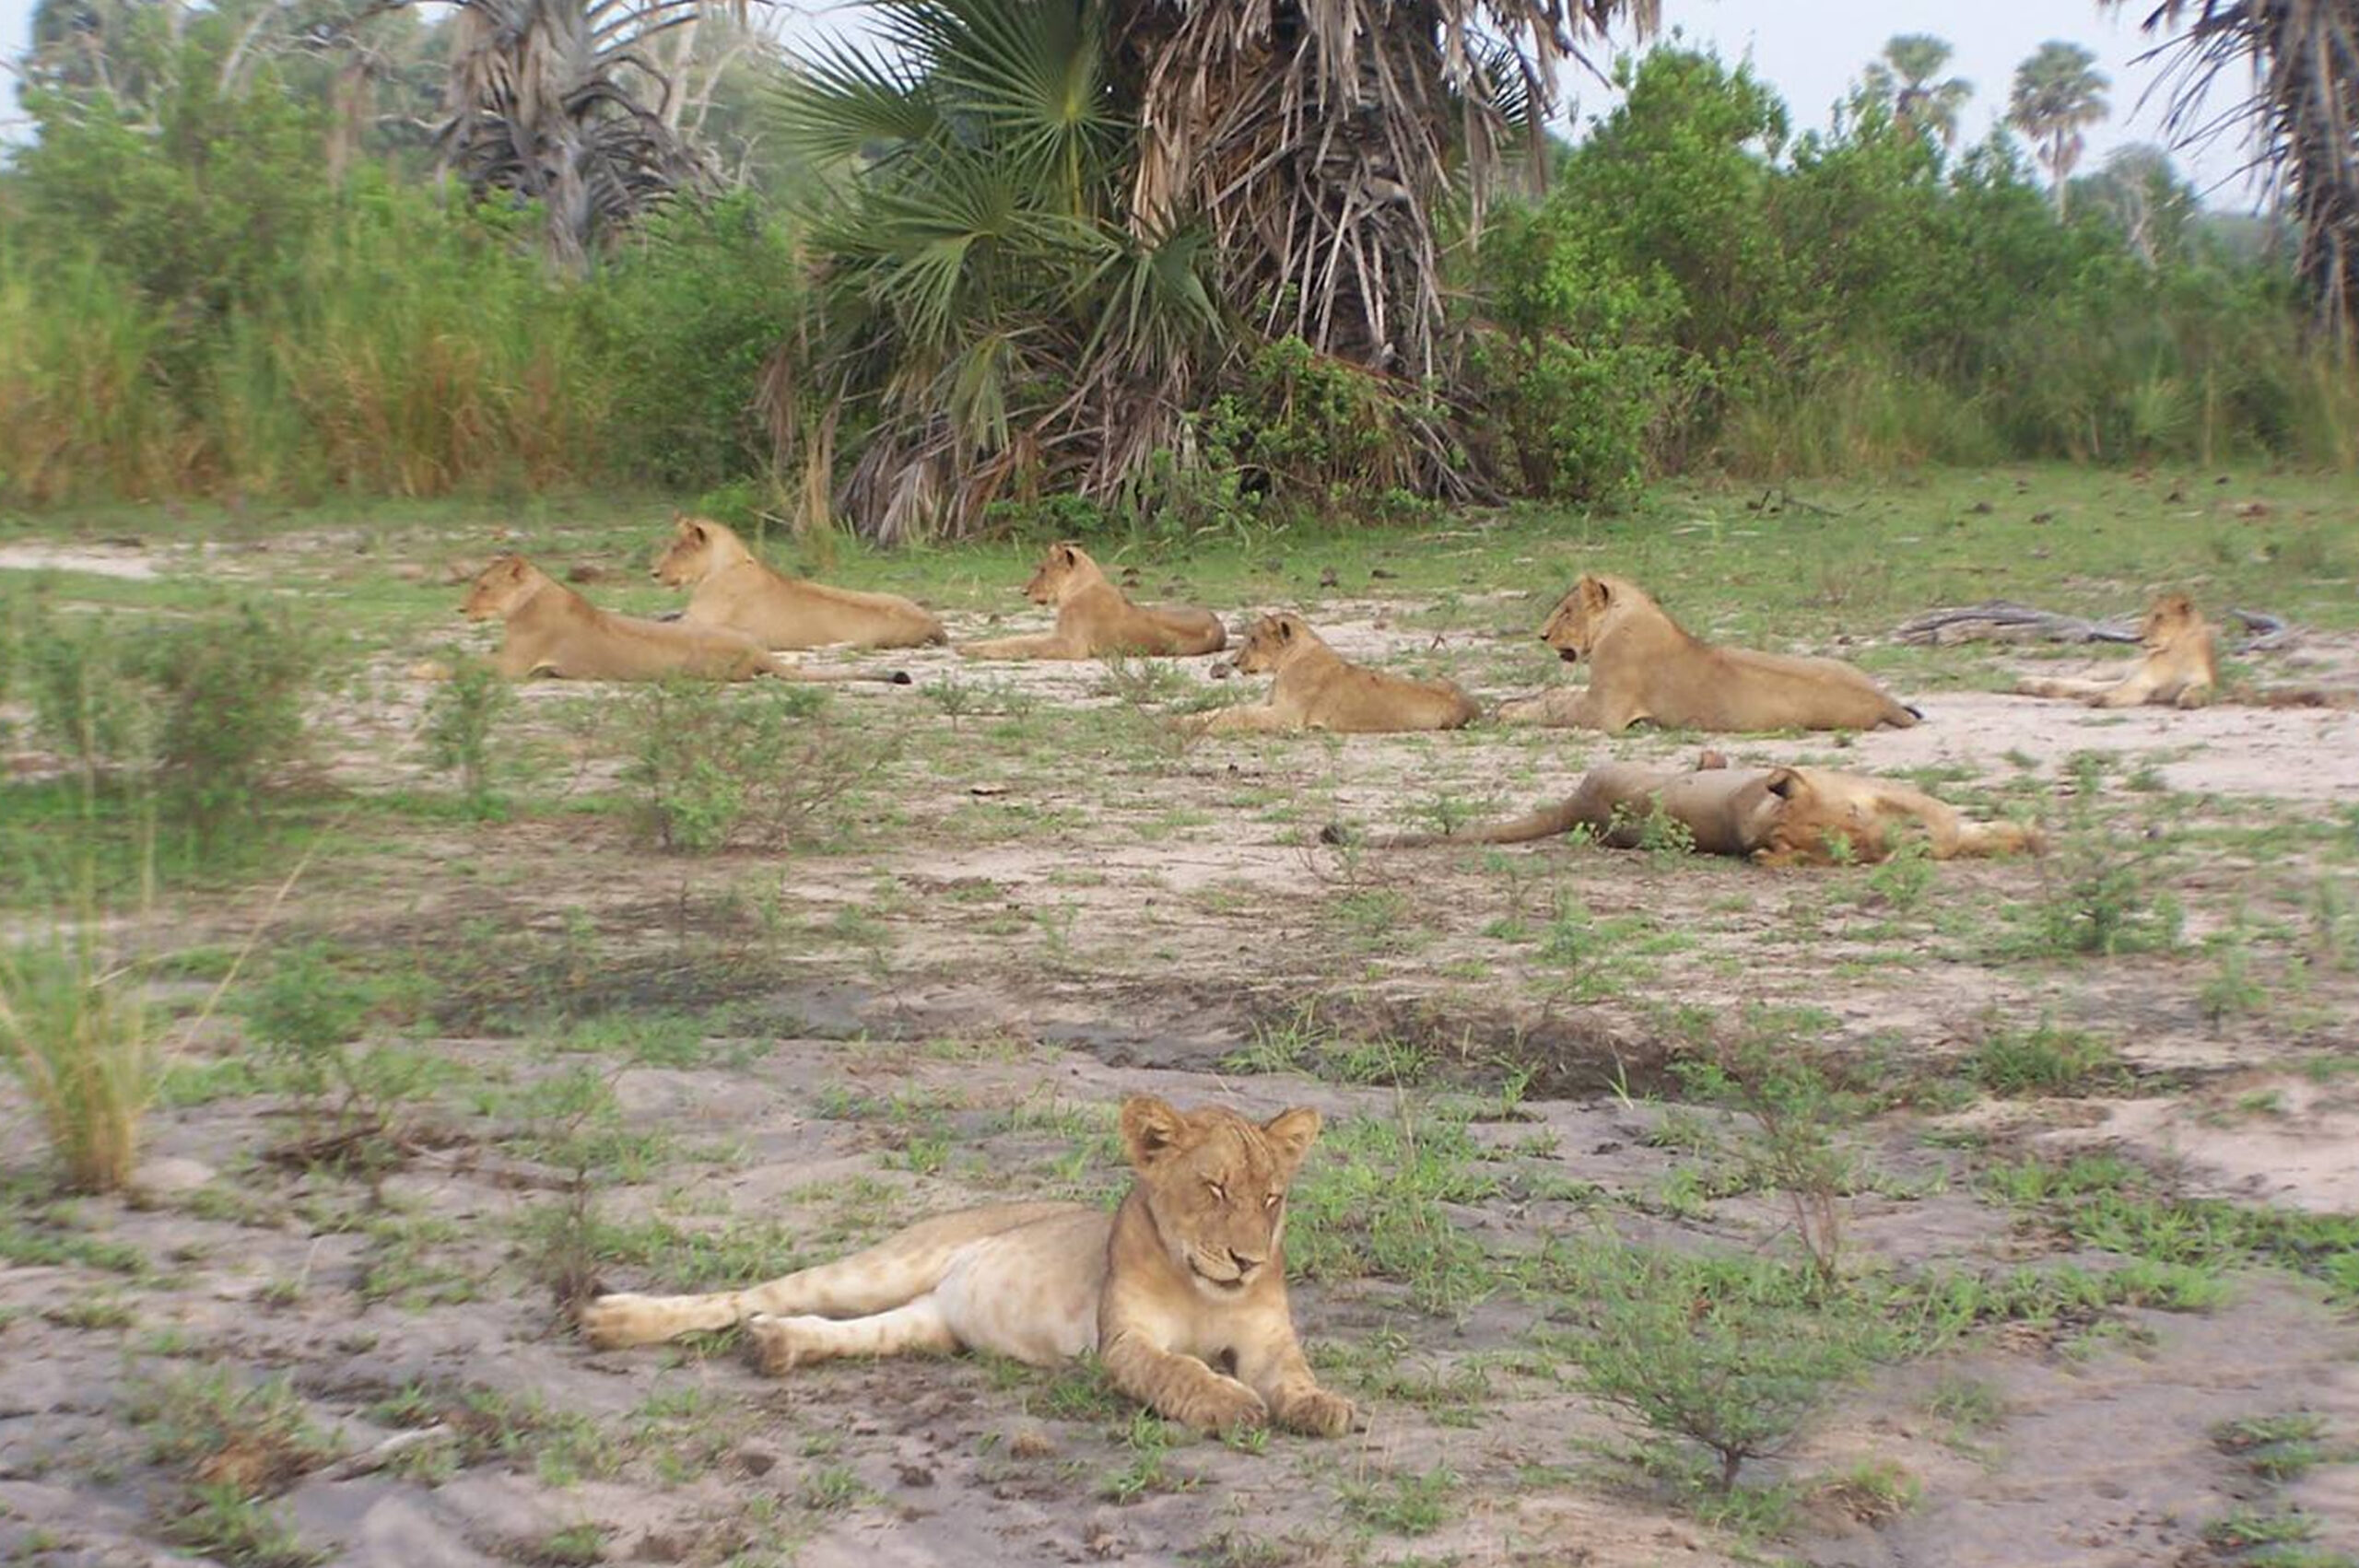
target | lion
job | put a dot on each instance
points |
(551, 630)
(1643, 666)
(2182, 668)
(1778, 816)
(1317, 688)
(1094, 619)
(1187, 1277)
(730, 588)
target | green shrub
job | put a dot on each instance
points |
(714, 768)
(461, 720)
(83, 1044)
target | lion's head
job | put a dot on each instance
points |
(1215, 1186)
(501, 587)
(1272, 639)
(1808, 816)
(1065, 562)
(1582, 616)
(693, 553)
(2168, 619)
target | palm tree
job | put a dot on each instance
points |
(1055, 223)
(2301, 114)
(2057, 91)
(1903, 79)
(549, 100)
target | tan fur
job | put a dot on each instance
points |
(1317, 688)
(1095, 619)
(730, 588)
(1642, 666)
(1188, 1275)
(1782, 817)
(551, 630)
(2181, 667)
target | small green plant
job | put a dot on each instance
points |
(1405, 1502)
(1732, 1354)
(223, 1522)
(319, 1026)
(461, 720)
(1796, 1110)
(2045, 1059)
(715, 766)
(2102, 891)
(1906, 876)
(2232, 989)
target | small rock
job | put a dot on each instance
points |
(585, 571)
(1032, 1443)
(410, 571)
(756, 1461)
(1328, 580)
(171, 1174)
(914, 1475)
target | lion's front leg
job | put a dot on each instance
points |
(1245, 716)
(1279, 1372)
(1053, 646)
(1179, 1387)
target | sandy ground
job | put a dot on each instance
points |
(1131, 916)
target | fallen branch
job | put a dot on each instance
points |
(2003, 620)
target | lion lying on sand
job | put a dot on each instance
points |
(2181, 667)
(731, 589)
(1094, 618)
(1643, 666)
(1778, 816)
(1187, 1278)
(551, 630)
(1317, 688)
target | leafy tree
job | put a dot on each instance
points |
(2057, 92)
(2140, 193)
(1903, 81)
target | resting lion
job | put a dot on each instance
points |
(1780, 816)
(1317, 688)
(551, 630)
(734, 590)
(1188, 1275)
(1643, 666)
(1094, 619)
(2182, 668)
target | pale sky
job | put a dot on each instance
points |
(1810, 50)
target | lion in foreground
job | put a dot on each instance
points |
(1187, 1277)
(1778, 816)
(2181, 667)
(1643, 666)
(1095, 619)
(730, 588)
(1317, 688)
(551, 630)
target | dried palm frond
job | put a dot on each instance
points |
(562, 102)
(2300, 120)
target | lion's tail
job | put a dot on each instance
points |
(1545, 823)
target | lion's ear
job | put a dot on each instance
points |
(1286, 627)
(1290, 1134)
(1785, 783)
(1596, 592)
(697, 532)
(1069, 553)
(1150, 1129)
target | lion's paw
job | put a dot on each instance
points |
(1317, 1411)
(612, 1322)
(777, 1344)
(1224, 1406)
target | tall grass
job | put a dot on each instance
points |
(83, 1042)
(82, 411)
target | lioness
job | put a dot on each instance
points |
(1643, 666)
(1317, 688)
(1188, 1275)
(2180, 670)
(1094, 618)
(733, 589)
(1780, 816)
(551, 630)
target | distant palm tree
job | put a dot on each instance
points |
(1903, 79)
(2057, 91)
(562, 102)
(2301, 113)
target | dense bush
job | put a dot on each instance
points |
(1696, 290)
